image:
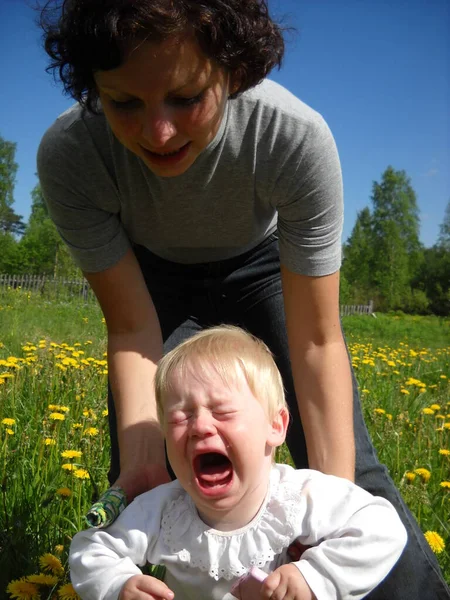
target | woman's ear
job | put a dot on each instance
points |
(278, 428)
(234, 83)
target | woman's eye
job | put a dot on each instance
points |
(185, 102)
(125, 105)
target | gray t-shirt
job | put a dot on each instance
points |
(272, 165)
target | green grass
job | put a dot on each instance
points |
(55, 354)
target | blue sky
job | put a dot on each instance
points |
(377, 70)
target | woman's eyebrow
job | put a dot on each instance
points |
(114, 90)
(194, 79)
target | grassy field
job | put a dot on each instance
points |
(54, 441)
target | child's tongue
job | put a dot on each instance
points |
(213, 469)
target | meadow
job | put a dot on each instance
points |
(54, 439)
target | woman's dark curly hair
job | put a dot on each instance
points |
(85, 36)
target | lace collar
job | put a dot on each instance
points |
(230, 554)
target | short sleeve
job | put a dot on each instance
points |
(81, 195)
(309, 201)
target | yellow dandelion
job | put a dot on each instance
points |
(49, 442)
(67, 467)
(410, 476)
(91, 431)
(71, 454)
(424, 474)
(445, 485)
(81, 474)
(379, 411)
(49, 562)
(63, 408)
(428, 411)
(105, 412)
(436, 542)
(8, 422)
(66, 592)
(389, 416)
(77, 425)
(43, 579)
(56, 416)
(444, 452)
(64, 492)
(446, 425)
(59, 549)
(443, 376)
(403, 391)
(21, 589)
(9, 432)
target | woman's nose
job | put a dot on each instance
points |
(158, 128)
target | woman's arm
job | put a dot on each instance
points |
(321, 370)
(134, 347)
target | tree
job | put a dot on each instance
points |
(41, 250)
(434, 277)
(444, 234)
(10, 222)
(398, 253)
(8, 252)
(39, 210)
(357, 265)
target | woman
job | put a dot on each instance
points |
(180, 182)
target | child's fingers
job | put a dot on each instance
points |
(271, 585)
(156, 588)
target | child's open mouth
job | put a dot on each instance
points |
(213, 471)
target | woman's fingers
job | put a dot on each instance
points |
(296, 550)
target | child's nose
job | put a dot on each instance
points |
(203, 424)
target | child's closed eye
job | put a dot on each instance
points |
(178, 417)
(225, 414)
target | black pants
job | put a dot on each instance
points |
(246, 291)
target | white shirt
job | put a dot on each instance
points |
(356, 539)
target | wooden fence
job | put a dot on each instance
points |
(357, 309)
(53, 288)
(60, 288)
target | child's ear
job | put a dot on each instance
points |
(278, 428)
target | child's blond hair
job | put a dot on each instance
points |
(226, 349)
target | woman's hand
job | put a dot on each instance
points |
(144, 587)
(286, 583)
(141, 478)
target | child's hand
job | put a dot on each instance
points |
(286, 583)
(144, 587)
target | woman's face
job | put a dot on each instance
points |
(165, 103)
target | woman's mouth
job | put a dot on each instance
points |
(167, 158)
(213, 472)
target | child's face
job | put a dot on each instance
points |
(219, 443)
